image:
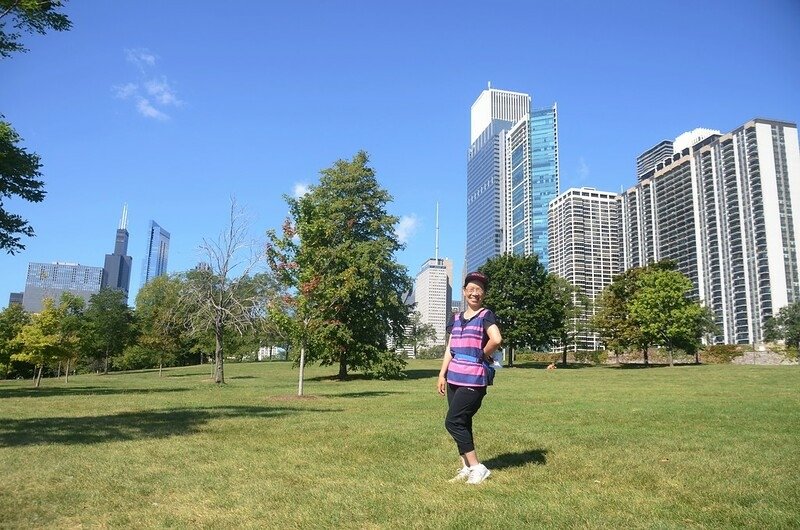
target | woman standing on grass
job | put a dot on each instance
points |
(474, 337)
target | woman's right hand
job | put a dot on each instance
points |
(441, 384)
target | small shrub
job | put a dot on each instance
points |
(720, 353)
(136, 358)
(591, 356)
(431, 352)
(390, 365)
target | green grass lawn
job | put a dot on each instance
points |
(683, 447)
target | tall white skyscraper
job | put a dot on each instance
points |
(512, 174)
(726, 209)
(155, 263)
(585, 248)
(433, 294)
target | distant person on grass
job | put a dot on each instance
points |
(464, 376)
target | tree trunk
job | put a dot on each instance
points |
(302, 369)
(58, 370)
(510, 363)
(342, 368)
(219, 375)
(644, 354)
(669, 354)
(160, 366)
(66, 374)
(105, 368)
(564, 356)
(697, 357)
(37, 379)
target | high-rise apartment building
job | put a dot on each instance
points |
(433, 294)
(585, 249)
(726, 209)
(155, 263)
(646, 162)
(117, 268)
(50, 280)
(512, 175)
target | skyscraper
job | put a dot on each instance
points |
(433, 294)
(155, 263)
(117, 268)
(726, 209)
(585, 248)
(512, 174)
(50, 280)
(433, 290)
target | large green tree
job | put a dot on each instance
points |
(109, 325)
(520, 294)
(20, 174)
(337, 257)
(665, 313)
(28, 16)
(12, 320)
(72, 330)
(785, 325)
(160, 321)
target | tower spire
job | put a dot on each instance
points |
(436, 250)
(123, 222)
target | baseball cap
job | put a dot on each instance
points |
(477, 277)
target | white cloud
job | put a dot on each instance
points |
(147, 110)
(583, 170)
(300, 189)
(141, 57)
(152, 93)
(162, 92)
(407, 227)
(127, 90)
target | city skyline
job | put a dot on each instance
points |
(257, 118)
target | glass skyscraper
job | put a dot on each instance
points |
(512, 175)
(155, 263)
(50, 280)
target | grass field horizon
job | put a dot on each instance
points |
(591, 447)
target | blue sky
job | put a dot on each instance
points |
(174, 107)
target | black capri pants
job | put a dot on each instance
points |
(463, 402)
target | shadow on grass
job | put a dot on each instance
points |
(532, 365)
(205, 374)
(241, 377)
(66, 390)
(421, 374)
(375, 393)
(537, 457)
(127, 425)
(642, 366)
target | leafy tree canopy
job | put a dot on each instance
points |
(28, 16)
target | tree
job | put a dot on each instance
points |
(71, 329)
(785, 325)
(30, 16)
(20, 174)
(110, 324)
(227, 295)
(664, 312)
(12, 319)
(420, 334)
(38, 341)
(336, 259)
(575, 307)
(520, 295)
(159, 319)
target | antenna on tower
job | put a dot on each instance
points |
(489, 85)
(436, 254)
(123, 222)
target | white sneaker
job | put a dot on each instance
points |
(478, 474)
(463, 474)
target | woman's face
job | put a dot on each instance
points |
(473, 294)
